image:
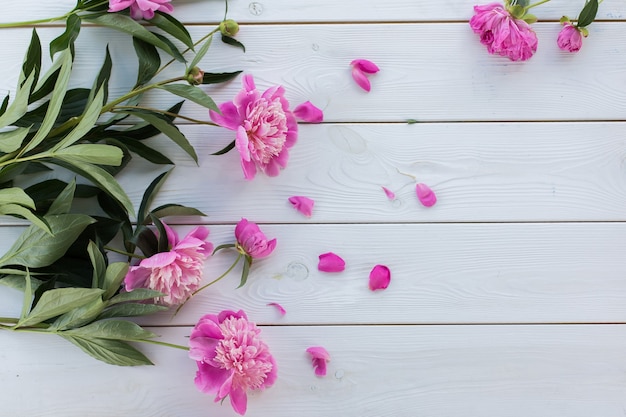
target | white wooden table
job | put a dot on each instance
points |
(508, 298)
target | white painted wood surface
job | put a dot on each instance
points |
(500, 294)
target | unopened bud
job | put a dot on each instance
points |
(229, 27)
(195, 76)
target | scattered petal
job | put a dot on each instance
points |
(307, 112)
(320, 358)
(365, 66)
(390, 194)
(361, 79)
(425, 195)
(330, 262)
(303, 204)
(280, 308)
(380, 277)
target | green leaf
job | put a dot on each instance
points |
(149, 61)
(588, 14)
(146, 152)
(247, 263)
(35, 248)
(192, 93)
(173, 49)
(32, 61)
(167, 128)
(67, 38)
(12, 140)
(19, 106)
(113, 278)
(175, 210)
(87, 122)
(16, 279)
(138, 294)
(163, 241)
(234, 42)
(149, 195)
(169, 24)
(130, 310)
(412, 121)
(112, 329)
(530, 18)
(102, 80)
(16, 195)
(146, 240)
(5, 104)
(126, 24)
(63, 203)
(113, 352)
(28, 296)
(219, 77)
(93, 153)
(98, 263)
(201, 53)
(14, 209)
(225, 149)
(99, 177)
(517, 11)
(46, 84)
(56, 101)
(79, 316)
(59, 301)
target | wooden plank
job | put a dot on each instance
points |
(403, 371)
(449, 78)
(441, 273)
(195, 11)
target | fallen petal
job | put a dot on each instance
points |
(303, 204)
(307, 112)
(390, 194)
(380, 277)
(361, 79)
(280, 308)
(425, 195)
(320, 357)
(365, 66)
(330, 262)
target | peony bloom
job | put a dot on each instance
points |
(570, 38)
(360, 67)
(141, 9)
(307, 112)
(380, 277)
(303, 204)
(320, 358)
(252, 241)
(265, 127)
(502, 33)
(331, 262)
(231, 358)
(176, 273)
(425, 195)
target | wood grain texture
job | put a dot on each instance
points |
(472, 273)
(199, 11)
(449, 78)
(400, 371)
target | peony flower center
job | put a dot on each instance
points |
(243, 352)
(266, 125)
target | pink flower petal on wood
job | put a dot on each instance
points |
(307, 112)
(320, 358)
(330, 262)
(361, 79)
(303, 204)
(280, 308)
(365, 66)
(425, 195)
(390, 194)
(380, 277)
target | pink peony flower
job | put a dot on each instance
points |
(425, 195)
(141, 9)
(330, 262)
(265, 127)
(303, 204)
(320, 358)
(252, 241)
(231, 358)
(307, 112)
(502, 33)
(570, 38)
(360, 67)
(176, 273)
(380, 277)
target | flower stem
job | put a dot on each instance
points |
(121, 252)
(171, 61)
(36, 22)
(156, 342)
(536, 4)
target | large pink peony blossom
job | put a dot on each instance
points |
(265, 127)
(252, 241)
(502, 33)
(141, 9)
(570, 38)
(176, 273)
(231, 358)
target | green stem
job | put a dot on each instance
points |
(166, 113)
(8, 320)
(121, 252)
(50, 19)
(536, 4)
(156, 342)
(221, 276)
(25, 159)
(171, 61)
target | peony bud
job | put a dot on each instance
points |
(195, 76)
(229, 27)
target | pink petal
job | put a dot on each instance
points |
(307, 112)
(361, 79)
(280, 308)
(239, 400)
(380, 277)
(320, 357)
(330, 262)
(425, 195)
(365, 66)
(303, 204)
(390, 194)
